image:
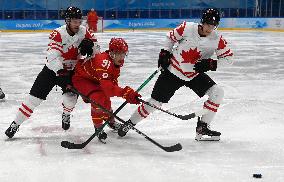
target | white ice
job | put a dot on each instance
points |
(250, 119)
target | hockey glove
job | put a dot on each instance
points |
(64, 78)
(164, 59)
(86, 47)
(204, 65)
(130, 95)
(63, 73)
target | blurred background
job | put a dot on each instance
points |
(152, 9)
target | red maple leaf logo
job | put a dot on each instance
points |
(190, 56)
(72, 53)
(222, 43)
(180, 29)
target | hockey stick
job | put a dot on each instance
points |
(183, 117)
(70, 145)
(139, 88)
(66, 144)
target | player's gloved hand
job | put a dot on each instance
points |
(164, 59)
(63, 72)
(130, 95)
(64, 77)
(86, 47)
(204, 65)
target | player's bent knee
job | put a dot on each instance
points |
(155, 102)
(216, 93)
(70, 97)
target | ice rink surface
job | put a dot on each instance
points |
(250, 119)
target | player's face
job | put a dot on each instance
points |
(207, 29)
(118, 58)
(75, 24)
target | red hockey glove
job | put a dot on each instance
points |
(164, 59)
(204, 65)
(130, 95)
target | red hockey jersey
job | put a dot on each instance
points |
(101, 70)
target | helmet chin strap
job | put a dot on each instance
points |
(112, 55)
(201, 28)
(68, 28)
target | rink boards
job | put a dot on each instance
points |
(263, 24)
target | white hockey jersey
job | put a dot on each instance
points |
(62, 52)
(188, 47)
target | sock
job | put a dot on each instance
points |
(69, 102)
(26, 109)
(216, 95)
(143, 111)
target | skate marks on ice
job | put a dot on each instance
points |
(9, 102)
(250, 120)
(235, 160)
(45, 140)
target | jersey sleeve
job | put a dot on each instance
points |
(94, 39)
(55, 51)
(224, 52)
(174, 36)
(90, 36)
(110, 88)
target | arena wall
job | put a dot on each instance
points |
(260, 24)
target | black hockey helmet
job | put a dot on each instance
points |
(211, 16)
(73, 13)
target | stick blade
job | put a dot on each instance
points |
(174, 148)
(69, 145)
(187, 117)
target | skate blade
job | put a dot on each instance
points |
(114, 131)
(2, 100)
(102, 141)
(200, 137)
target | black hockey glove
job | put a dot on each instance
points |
(63, 73)
(204, 65)
(64, 78)
(86, 47)
(164, 59)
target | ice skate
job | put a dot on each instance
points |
(102, 136)
(125, 128)
(65, 121)
(2, 95)
(13, 128)
(114, 125)
(203, 133)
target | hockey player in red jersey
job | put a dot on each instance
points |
(62, 56)
(185, 65)
(97, 78)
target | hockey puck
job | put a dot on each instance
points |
(257, 175)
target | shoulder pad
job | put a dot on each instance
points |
(56, 36)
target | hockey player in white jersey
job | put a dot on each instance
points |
(2, 95)
(62, 56)
(185, 58)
